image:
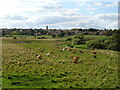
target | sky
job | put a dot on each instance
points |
(59, 14)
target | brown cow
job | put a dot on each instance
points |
(75, 59)
(94, 52)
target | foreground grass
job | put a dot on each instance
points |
(57, 70)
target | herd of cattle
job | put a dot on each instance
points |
(74, 58)
(73, 50)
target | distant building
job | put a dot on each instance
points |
(46, 27)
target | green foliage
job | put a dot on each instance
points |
(69, 45)
(116, 40)
(111, 46)
(95, 44)
(69, 39)
(78, 39)
(83, 46)
(41, 37)
(111, 43)
(54, 35)
(109, 33)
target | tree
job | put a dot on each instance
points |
(78, 39)
(95, 44)
(116, 40)
(62, 33)
(69, 39)
(54, 35)
(69, 33)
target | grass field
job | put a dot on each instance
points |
(21, 68)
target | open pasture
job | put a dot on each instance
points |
(49, 64)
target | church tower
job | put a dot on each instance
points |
(46, 27)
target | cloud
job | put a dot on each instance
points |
(15, 17)
(108, 16)
(90, 21)
(90, 0)
(98, 4)
(113, 4)
(113, 24)
(52, 7)
(91, 9)
(55, 13)
(96, 21)
(53, 19)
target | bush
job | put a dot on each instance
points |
(111, 46)
(69, 39)
(54, 35)
(95, 44)
(116, 40)
(41, 37)
(78, 39)
(107, 43)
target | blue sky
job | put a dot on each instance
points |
(58, 14)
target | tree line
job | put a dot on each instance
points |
(55, 32)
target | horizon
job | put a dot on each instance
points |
(60, 28)
(59, 14)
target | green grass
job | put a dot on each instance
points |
(83, 46)
(96, 37)
(57, 70)
(26, 36)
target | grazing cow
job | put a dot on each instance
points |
(63, 49)
(41, 51)
(51, 52)
(69, 49)
(60, 50)
(81, 51)
(47, 54)
(95, 56)
(73, 52)
(39, 56)
(75, 60)
(94, 52)
(18, 63)
(58, 47)
(71, 56)
(66, 47)
(39, 48)
(76, 57)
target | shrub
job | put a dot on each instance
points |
(107, 43)
(111, 46)
(41, 37)
(95, 44)
(69, 39)
(78, 39)
(116, 40)
(54, 35)
(69, 45)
